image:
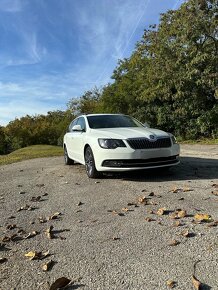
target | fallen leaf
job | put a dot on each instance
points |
(162, 211)
(174, 243)
(215, 185)
(215, 192)
(54, 216)
(115, 238)
(11, 227)
(31, 235)
(42, 220)
(142, 199)
(60, 283)
(203, 217)
(33, 255)
(177, 224)
(47, 266)
(196, 283)
(148, 219)
(35, 198)
(114, 212)
(185, 233)
(125, 209)
(171, 283)
(181, 213)
(49, 233)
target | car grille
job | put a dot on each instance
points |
(144, 143)
(132, 163)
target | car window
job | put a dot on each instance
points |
(73, 123)
(112, 121)
(81, 122)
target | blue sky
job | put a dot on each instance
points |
(53, 50)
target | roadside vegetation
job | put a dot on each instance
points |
(169, 81)
(35, 151)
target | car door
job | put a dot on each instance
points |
(76, 140)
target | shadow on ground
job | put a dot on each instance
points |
(190, 168)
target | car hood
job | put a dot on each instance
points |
(125, 133)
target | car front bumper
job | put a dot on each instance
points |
(127, 159)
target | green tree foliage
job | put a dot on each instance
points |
(89, 102)
(171, 77)
(30, 130)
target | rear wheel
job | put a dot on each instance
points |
(90, 164)
(67, 159)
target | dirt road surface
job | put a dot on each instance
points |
(105, 236)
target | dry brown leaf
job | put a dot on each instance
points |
(60, 283)
(35, 198)
(181, 213)
(162, 211)
(33, 255)
(215, 185)
(31, 235)
(142, 199)
(125, 209)
(148, 219)
(215, 192)
(49, 233)
(54, 216)
(174, 243)
(11, 227)
(185, 233)
(177, 224)
(115, 238)
(203, 217)
(171, 283)
(173, 215)
(196, 283)
(47, 266)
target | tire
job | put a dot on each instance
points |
(67, 159)
(90, 164)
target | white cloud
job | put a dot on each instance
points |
(11, 5)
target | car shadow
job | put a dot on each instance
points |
(190, 168)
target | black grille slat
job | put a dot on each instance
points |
(144, 143)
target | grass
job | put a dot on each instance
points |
(200, 141)
(35, 151)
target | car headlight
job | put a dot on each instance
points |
(111, 143)
(173, 138)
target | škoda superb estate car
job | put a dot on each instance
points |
(116, 143)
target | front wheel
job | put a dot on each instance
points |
(67, 159)
(90, 164)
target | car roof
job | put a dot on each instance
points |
(103, 114)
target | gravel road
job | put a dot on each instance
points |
(104, 235)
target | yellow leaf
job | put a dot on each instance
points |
(161, 211)
(196, 283)
(171, 283)
(203, 217)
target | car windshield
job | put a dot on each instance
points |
(112, 121)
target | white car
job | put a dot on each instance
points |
(116, 142)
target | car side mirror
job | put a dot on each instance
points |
(146, 125)
(77, 128)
